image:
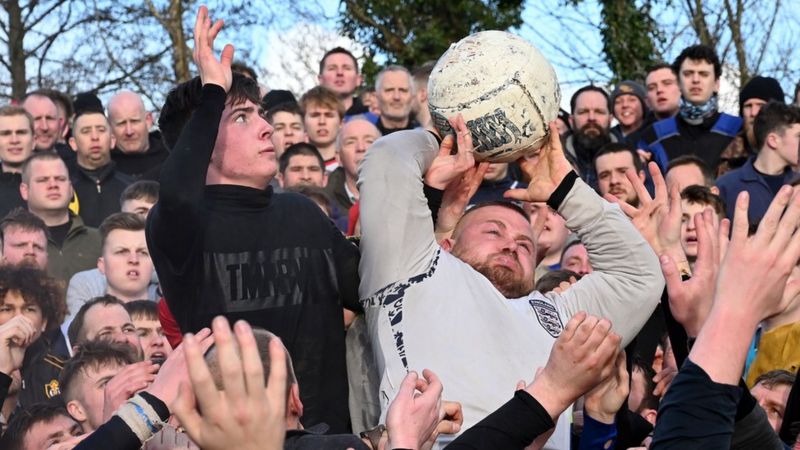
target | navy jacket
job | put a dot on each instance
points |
(747, 179)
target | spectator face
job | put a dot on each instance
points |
(130, 122)
(576, 259)
(16, 140)
(697, 80)
(611, 178)
(688, 230)
(496, 172)
(555, 232)
(138, 206)
(304, 170)
(87, 407)
(48, 188)
(773, 401)
(43, 435)
(339, 74)
(126, 264)
(154, 343)
(111, 323)
(684, 176)
(45, 121)
(787, 143)
(244, 153)
(591, 116)
(14, 305)
(394, 97)
(288, 131)
(497, 242)
(750, 109)
(322, 125)
(22, 246)
(663, 93)
(628, 110)
(357, 136)
(92, 140)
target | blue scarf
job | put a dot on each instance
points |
(695, 114)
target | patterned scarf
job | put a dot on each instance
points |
(695, 114)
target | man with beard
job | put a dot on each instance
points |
(611, 163)
(590, 121)
(466, 308)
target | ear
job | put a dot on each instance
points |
(75, 409)
(23, 190)
(73, 145)
(324, 177)
(294, 407)
(319, 79)
(649, 415)
(773, 140)
(113, 141)
(101, 265)
(148, 119)
(714, 190)
(447, 244)
(716, 85)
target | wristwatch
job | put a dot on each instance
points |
(373, 435)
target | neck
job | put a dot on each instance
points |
(630, 129)
(7, 168)
(394, 123)
(790, 315)
(551, 258)
(424, 117)
(327, 152)
(53, 218)
(126, 297)
(92, 165)
(351, 183)
(666, 115)
(769, 163)
(347, 101)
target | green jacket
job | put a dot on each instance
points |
(80, 251)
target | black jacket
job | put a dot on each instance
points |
(142, 165)
(40, 371)
(98, 191)
(9, 192)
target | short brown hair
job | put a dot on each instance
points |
(321, 96)
(24, 220)
(701, 195)
(38, 156)
(775, 378)
(92, 355)
(14, 110)
(120, 221)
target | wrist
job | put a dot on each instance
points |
(550, 395)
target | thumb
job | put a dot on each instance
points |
(409, 385)
(518, 194)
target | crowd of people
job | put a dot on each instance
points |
(258, 271)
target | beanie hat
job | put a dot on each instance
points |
(276, 97)
(764, 88)
(628, 87)
(87, 102)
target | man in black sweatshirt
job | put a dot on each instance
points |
(224, 243)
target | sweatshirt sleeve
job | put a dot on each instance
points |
(512, 426)
(397, 239)
(626, 283)
(117, 434)
(173, 221)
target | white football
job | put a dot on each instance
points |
(506, 90)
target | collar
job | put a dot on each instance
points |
(696, 114)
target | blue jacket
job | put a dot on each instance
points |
(747, 179)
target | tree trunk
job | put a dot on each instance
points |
(16, 50)
(180, 51)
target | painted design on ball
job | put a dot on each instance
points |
(504, 88)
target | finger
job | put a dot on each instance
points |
(434, 384)
(205, 391)
(572, 326)
(768, 227)
(278, 375)
(185, 410)
(724, 233)
(598, 334)
(226, 58)
(705, 250)
(251, 360)
(517, 194)
(788, 223)
(446, 147)
(740, 221)
(229, 361)
(585, 330)
(658, 182)
(520, 385)
(214, 31)
(672, 276)
(453, 411)
(629, 210)
(199, 29)
(408, 386)
(675, 209)
(638, 186)
(554, 143)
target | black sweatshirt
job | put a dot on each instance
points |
(274, 260)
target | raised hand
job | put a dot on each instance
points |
(212, 70)
(546, 170)
(690, 301)
(448, 167)
(125, 384)
(15, 336)
(581, 357)
(603, 402)
(416, 411)
(248, 415)
(659, 218)
(456, 197)
(174, 370)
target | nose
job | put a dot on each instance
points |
(128, 129)
(133, 258)
(267, 130)
(119, 337)
(95, 135)
(42, 123)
